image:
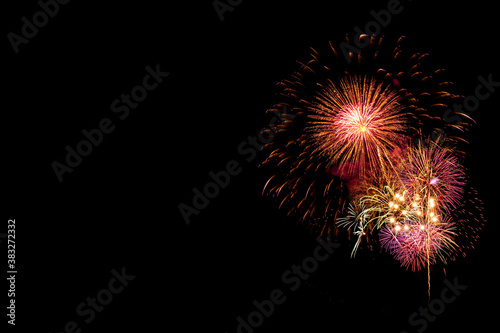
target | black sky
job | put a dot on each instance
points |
(119, 207)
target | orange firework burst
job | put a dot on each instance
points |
(355, 124)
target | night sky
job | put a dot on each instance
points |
(206, 85)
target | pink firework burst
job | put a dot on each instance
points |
(355, 124)
(418, 244)
(436, 173)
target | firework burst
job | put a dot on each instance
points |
(358, 155)
(356, 125)
(435, 172)
(415, 201)
(412, 228)
(418, 244)
(352, 119)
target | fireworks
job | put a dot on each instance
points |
(436, 171)
(351, 120)
(413, 211)
(413, 228)
(418, 244)
(469, 221)
(356, 124)
(361, 155)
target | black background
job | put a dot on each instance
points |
(119, 208)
